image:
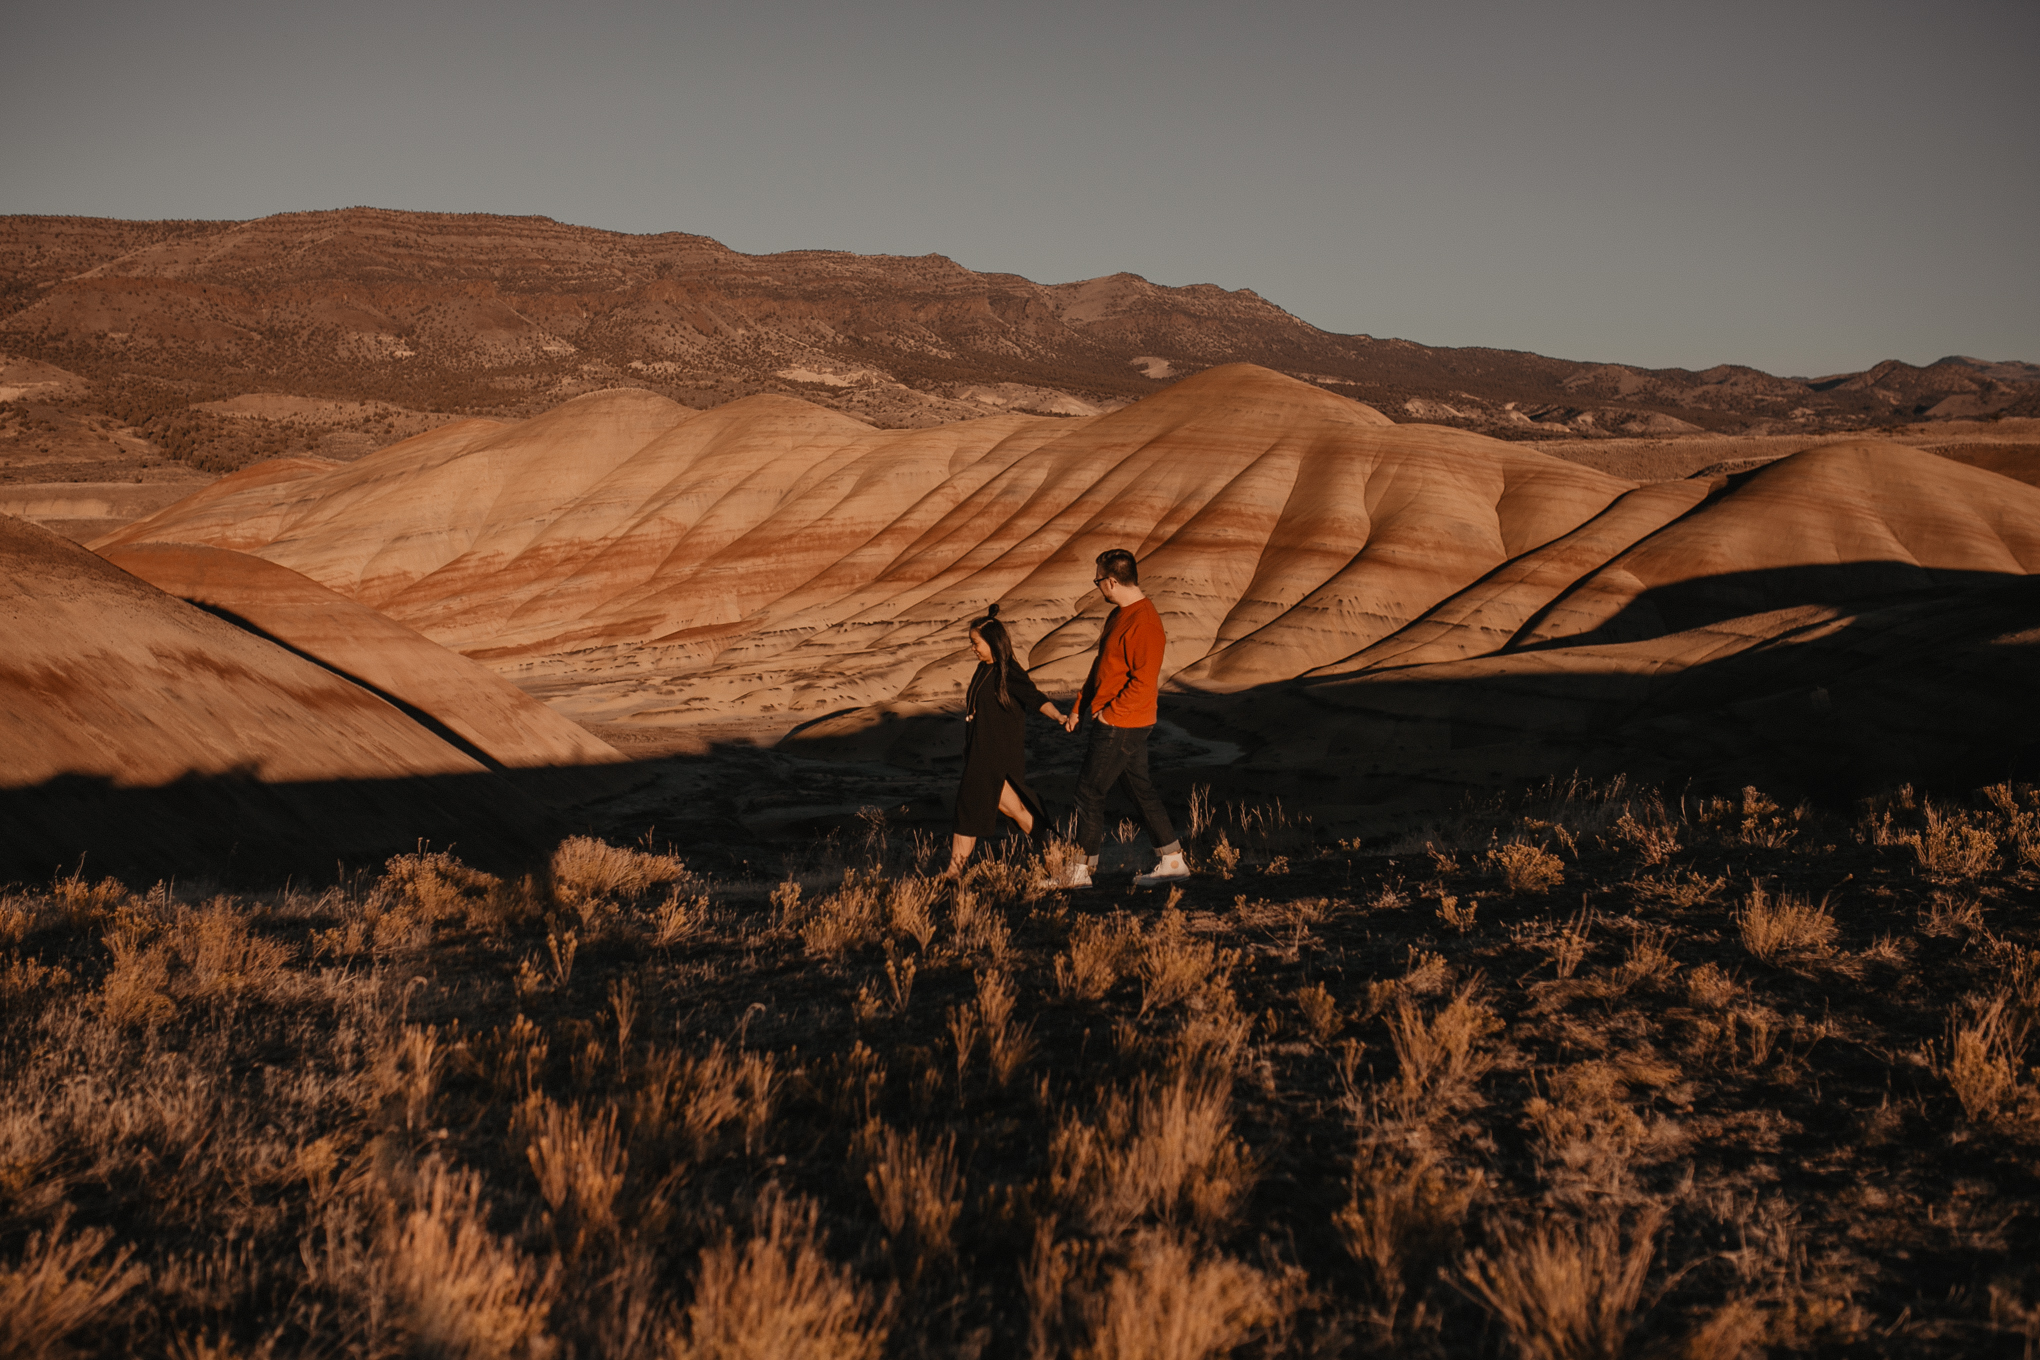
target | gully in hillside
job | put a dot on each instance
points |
(995, 743)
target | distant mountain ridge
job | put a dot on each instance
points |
(511, 315)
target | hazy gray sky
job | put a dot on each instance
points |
(1807, 188)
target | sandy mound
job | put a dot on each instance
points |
(107, 675)
(141, 734)
(1844, 618)
(471, 707)
(1333, 584)
(772, 557)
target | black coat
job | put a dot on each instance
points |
(995, 749)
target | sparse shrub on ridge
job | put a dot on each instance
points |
(1950, 847)
(1527, 868)
(1772, 925)
(598, 882)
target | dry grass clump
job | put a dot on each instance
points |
(405, 1071)
(917, 1190)
(2017, 823)
(1526, 868)
(25, 982)
(1101, 950)
(1404, 1221)
(1567, 1289)
(415, 894)
(598, 882)
(910, 909)
(578, 1159)
(586, 869)
(1710, 987)
(1950, 846)
(459, 1289)
(1319, 1011)
(1986, 1065)
(777, 1294)
(846, 919)
(1649, 961)
(990, 1016)
(849, 918)
(431, 887)
(1654, 834)
(1174, 967)
(1773, 926)
(869, 907)
(1753, 819)
(1688, 889)
(1585, 1106)
(1164, 1151)
(1954, 844)
(162, 960)
(1172, 1301)
(60, 1286)
(1443, 1054)
(71, 904)
(684, 1102)
(1426, 974)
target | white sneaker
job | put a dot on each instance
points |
(1078, 875)
(1172, 867)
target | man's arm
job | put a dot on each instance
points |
(1084, 697)
(1089, 694)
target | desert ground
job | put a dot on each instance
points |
(474, 872)
(1588, 1072)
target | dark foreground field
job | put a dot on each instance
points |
(1588, 1073)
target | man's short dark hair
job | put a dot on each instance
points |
(1118, 563)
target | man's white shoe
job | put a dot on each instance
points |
(1172, 867)
(1078, 875)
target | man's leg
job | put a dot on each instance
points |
(1104, 758)
(1134, 779)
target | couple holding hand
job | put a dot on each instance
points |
(1121, 692)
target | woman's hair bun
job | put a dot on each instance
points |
(992, 612)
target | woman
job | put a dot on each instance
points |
(995, 743)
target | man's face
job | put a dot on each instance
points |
(1108, 585)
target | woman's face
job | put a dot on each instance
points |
(984, 649)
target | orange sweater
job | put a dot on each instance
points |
(1127, 676)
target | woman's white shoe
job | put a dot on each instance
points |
(1078, 875)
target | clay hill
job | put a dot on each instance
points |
(167, 694)
(221, 342)
(1361, 603)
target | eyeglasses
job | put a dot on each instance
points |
(1099, 580)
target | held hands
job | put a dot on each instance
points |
(1069, 722)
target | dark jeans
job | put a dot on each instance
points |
(1117, 756)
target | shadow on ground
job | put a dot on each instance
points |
(1910, 677)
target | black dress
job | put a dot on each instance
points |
(995, 750)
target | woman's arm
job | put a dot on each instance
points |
(1023, 689)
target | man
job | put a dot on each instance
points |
(1121, 692)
